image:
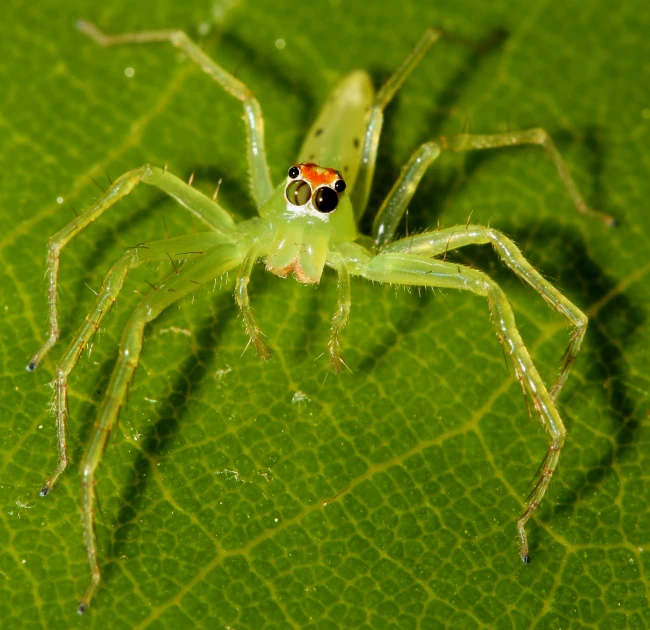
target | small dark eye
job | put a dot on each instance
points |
(294, 171)
(298, 193)
(325, 199)
(339, 185)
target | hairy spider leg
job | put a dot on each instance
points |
(394, 206)
(414, 270)
(537, 137)
(198, 204)
(340, 318)
(375, 119)
(190, 277)
(175, 249)
(241, 296)
(260, 179)
(439, 242)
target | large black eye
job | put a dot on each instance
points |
(294, 171)
(298, 193)
(325, 199)
(339, 185)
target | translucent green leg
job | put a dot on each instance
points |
(391, 211)
(259, 171)
(409, 269)
(175, 249)
(190, 276)
(241, 294)
(439, 242)
(375, 119)
(340, 318)
(198, 204)
(394, 206)
(538, 137)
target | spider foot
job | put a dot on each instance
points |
(336, 361)
(262, 349)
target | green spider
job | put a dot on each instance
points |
(306, 223)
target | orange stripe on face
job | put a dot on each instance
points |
(318, 175)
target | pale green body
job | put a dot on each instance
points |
(302, 241)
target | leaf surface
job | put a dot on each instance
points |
(242, 495)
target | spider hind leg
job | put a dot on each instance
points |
(416, 270)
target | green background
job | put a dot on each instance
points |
(212, 489)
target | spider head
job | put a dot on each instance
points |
(307, 212)
(314, 190)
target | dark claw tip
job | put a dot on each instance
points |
(82, 608)
(526, 558)
(45, 491)
(31, 366)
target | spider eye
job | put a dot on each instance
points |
(339, 186)
(325, 199)
(294, 171)
(298, 192)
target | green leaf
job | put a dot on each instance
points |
(213, 489)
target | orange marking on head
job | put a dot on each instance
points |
(318, 175)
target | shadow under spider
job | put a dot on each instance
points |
(170, 415)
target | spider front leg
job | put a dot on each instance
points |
(259, 171)
(176, 249)
(188, 278)
(198, 204)
(414, 270)
(440, 242)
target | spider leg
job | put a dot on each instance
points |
(375, 119)
(392, 209)
(438, 242)
(198, 204)
(201, 270)
(176, 249)
(537, 137)
(340, 318)
(394, 206)
(261, 186)
(243, 301)
(409, 269)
